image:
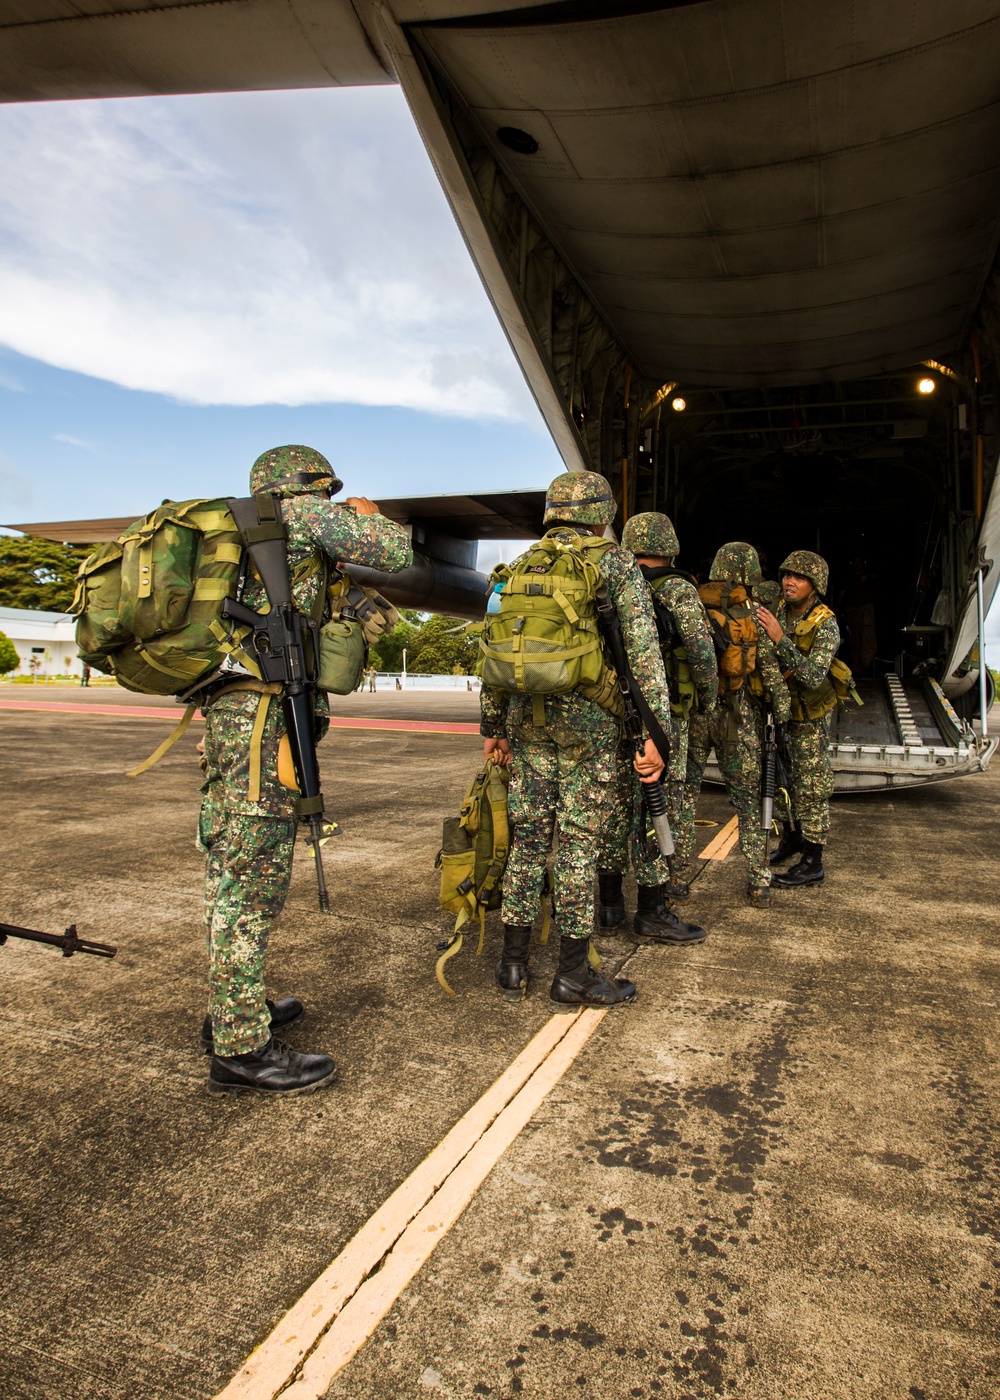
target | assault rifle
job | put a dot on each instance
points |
(285, 644)
(772, 772)
(69, 942)
(637, 714)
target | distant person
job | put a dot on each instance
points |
(85, 676)
(806, 638)
(372, 675)
(693, 679)
(857, 598)
(562, 747)
(399, 684)
(249, 815)
(748, 671)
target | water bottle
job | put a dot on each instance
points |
(493, 606)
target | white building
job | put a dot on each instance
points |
(44, 641)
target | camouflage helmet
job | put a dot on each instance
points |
(736, 563)
(651, 534)
(810, 566)
(293, 471)
(768, 594)
(580, 498)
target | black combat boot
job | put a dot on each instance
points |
(655, 919)
(284, 1013)
(273, 1069)
(512, 970)
(611, 913)
(807, 871)
(577, 984)
(789, 845)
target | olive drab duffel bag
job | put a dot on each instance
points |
(543, 638)
(473, 857)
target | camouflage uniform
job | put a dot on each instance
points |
(652, 535)
(564, 773)
(249, 843)
(808, 740)
(734, 729)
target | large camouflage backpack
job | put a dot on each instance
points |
(734, 631)
(544, 638)
(149, 604)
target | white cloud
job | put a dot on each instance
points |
(74, 441)
(252, 248)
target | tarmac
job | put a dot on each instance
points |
(774, 1176)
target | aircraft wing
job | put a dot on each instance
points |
(445, 529)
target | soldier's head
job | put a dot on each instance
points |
(802, 574)
(579, 498)
(768, 594)
(294, 471)
(736, 562)
(651, 537)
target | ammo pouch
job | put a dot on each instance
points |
(358, 617)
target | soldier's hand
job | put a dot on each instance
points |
(362, 505)
(498, 750)
(769, 622)
(649, 765)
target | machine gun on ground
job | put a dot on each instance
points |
(637, 715)
(285, 644)
(69, 941)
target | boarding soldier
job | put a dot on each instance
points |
(735, 727)
(563, 768)
(807, 639)
(689, 660)
(248, 818)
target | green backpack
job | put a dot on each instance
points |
(148, 605)
(544, 637)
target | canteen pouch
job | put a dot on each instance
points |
(342, 656)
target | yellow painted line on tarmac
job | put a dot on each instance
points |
(333, 1319)
(720, 846)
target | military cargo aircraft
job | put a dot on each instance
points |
(744, 252)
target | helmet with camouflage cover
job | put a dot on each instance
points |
(293, 471)
(810, 566)
(580, 498)
(651, 534)
(736, 562)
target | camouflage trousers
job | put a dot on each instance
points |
(248, 847)
(563, 785)
(810, 776)
(624, 838)
(736, 736)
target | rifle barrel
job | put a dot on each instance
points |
(69, 941)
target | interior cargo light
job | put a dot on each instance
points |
(926, 386)
(679, 404)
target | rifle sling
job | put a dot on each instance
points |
(612, 630)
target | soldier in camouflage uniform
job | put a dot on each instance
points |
(735, 730)
(248, 817)
(689, 659)
(563, 773)
(806, 655)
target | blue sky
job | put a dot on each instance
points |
(185, 282)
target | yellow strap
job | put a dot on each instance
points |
(453, 947)
(571, 613)
(157, 754)
(593, 956)
(224, 552)
(210, 589)
(207, 520)
(543, 937)
(145, 565)
(256, 739)
(538, 711)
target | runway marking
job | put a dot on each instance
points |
(333, 1319)
(721, 844)
(413, 726)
